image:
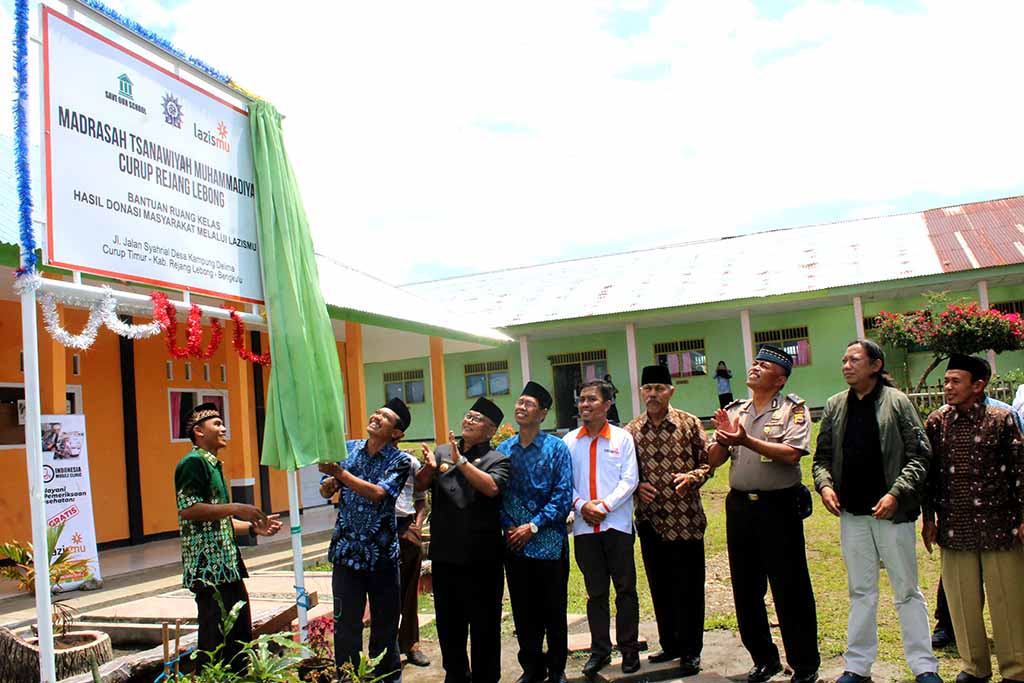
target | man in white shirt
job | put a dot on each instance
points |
(604, 472)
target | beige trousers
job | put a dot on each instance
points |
(1000, 574)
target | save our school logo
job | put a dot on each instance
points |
(125, 95)
(173, 112)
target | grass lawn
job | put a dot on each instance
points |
(828, 575)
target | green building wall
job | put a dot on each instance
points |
(829, 328)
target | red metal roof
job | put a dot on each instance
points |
(980, 235)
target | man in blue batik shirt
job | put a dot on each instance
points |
(364, 547)
(535, 504)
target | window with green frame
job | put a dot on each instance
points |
(683, 358)
(487, 379)
(793, 340)
(407, 385)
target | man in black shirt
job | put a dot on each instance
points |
(467, 548)
(869, 466)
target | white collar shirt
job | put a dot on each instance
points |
(605, 469)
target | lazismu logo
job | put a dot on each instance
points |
(220, 140)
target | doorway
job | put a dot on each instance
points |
(570, 371)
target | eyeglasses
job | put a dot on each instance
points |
(474, 418)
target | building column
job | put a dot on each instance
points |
(53, 372)
(858, 316)
(438, 390)
(634, 371)
(983, 302)
(748, 341)
(355, 380)
(524, 358)
(243, 456)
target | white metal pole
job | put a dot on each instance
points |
(983, 302)
(295, 522)
(37, 501)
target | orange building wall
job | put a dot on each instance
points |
(101, 402)
(158, 455)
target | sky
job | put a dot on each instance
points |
(452, 137)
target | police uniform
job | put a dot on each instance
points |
(764, 528)
(466, 552)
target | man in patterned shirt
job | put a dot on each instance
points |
(207, 521)
(672, 455)
(975, 487)
(534, 507)
(364, 548)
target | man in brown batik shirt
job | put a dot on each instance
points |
(672, 456)
(975, 489)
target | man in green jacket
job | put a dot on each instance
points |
(869, 466)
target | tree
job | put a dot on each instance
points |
(958, 328)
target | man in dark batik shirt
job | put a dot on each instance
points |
(364, 547)
(975, 489)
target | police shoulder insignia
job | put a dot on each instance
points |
(795, 399)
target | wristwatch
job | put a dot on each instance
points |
(533, 528)
(462, 462)
(252, 530)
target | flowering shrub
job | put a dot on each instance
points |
(504, 433)
(321, 637)
(959, 328)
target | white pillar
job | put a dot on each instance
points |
(524, 358)
(748, 342)
(983, 302)
(37, 504)
(858, 316)
(634, 370)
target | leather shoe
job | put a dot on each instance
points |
(763, 672)
(661, 657)
(965, 677)
(941, 638)
(630, 662)
(810, 677)
(689, 666)
(850, 677)
(595, 664)
(530, 678)
(558, 678)
(929, 677)
(417, 658)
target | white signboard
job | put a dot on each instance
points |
(148, 177)
(68, 493)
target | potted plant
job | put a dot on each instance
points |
(19, 658)
(319, 668)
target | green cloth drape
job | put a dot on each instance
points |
(305, 403)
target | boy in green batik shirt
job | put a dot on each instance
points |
(209, 521)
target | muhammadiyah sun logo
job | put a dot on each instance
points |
(172, 110)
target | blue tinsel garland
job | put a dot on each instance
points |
(21, 141)
(156, 39)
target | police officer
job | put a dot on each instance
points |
(466, 477)
(766, 436)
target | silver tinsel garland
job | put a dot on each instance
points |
(102, 312)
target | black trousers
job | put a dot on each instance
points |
(675, 574)
(352, 589)
(539, 592)
(942, 618)
(602, 557)
(467, 602)
(210, 618)
(409, 562)
(766, 546)
(724, 399)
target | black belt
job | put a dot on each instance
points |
(772, 494)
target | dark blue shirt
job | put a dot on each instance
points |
(365, 535)
(539, 490)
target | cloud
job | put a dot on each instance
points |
(434, 138)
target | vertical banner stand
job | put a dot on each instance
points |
(34, 456)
